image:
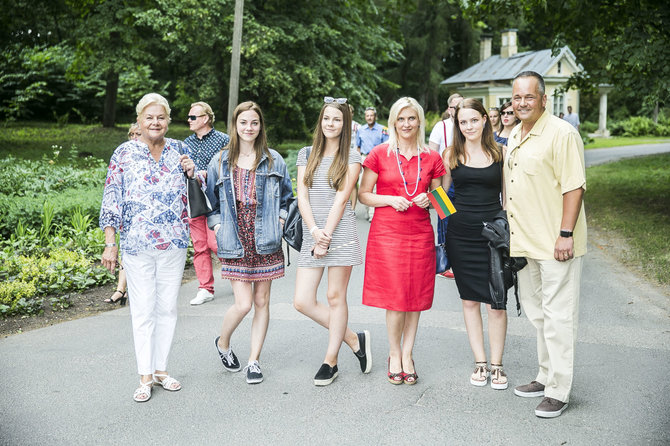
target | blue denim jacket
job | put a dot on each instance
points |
(273, 189)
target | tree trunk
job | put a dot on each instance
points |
(235, 61)
(111, 91)
(656, 113)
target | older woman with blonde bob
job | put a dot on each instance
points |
(145, 199)
(400, 260)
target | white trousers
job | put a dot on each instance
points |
(154, 278)
(549, 293)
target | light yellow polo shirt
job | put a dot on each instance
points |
(538, 170)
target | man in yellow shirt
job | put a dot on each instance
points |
(545, 182)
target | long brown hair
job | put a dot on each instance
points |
(260, 144)
(339, 168)
(489, 145)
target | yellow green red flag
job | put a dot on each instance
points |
(441, 202)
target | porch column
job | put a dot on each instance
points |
(603, 89)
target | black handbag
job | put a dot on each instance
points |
(198, 203)
(293, 223)
(441, 259)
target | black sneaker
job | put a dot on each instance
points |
(325, 375)
(254, 374)
(228, 358)
(364, 354)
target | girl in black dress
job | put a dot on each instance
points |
(474, 164)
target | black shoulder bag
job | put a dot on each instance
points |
(293, 223)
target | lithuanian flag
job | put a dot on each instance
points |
(441, 202)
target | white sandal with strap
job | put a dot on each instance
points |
(498, 377)
(168, 382)
(481, 374)
(143, 392)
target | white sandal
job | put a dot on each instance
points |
(498, 377)
(481, 374)
(168, 383)
(143, 392)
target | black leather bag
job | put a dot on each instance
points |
(441, 259)
(198, 203)
(293, 225)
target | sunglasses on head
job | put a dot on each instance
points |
(330, 100)
(194, 117)
(508, 113)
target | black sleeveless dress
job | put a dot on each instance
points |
(477, 199)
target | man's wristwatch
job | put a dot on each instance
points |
(566, 234)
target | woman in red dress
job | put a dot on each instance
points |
(400, 256)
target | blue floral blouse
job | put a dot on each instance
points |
(146, 200)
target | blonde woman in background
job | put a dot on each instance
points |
(120, 295)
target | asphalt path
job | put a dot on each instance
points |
(72, 383)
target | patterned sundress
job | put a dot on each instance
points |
(253, 267)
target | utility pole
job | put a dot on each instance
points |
(234, 84)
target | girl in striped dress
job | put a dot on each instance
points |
(327, 173)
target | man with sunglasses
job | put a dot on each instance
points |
(204, 143)
(369, 136)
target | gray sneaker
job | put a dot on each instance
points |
(550, 408)
(254, 374)
(530, 390)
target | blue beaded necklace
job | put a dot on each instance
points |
(418, 169)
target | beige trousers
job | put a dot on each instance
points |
(549, 294)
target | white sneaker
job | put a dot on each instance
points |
(202, 297)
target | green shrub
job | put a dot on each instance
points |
(18, 298)
(639, 126)
(29, 209)
(26, 278)
(589, 126)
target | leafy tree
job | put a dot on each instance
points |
(620, 42)
(294, 52)
(437, 42)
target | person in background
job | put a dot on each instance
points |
(203, 144)
(120, 295)
(494, 116)
(327, 172)
(441, 137)
(369, 136)
(145, 198)
(474, 163)
(249, 188)
(509, 121)
(572, 118)
(400, 256)
(545, 180)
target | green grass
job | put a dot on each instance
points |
(617, 141)
(632, 198)
(31, 140)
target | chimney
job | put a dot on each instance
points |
(508, 47)
(485, 47)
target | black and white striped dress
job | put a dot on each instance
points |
(345, 249)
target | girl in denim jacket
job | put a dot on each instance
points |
(249, 187)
